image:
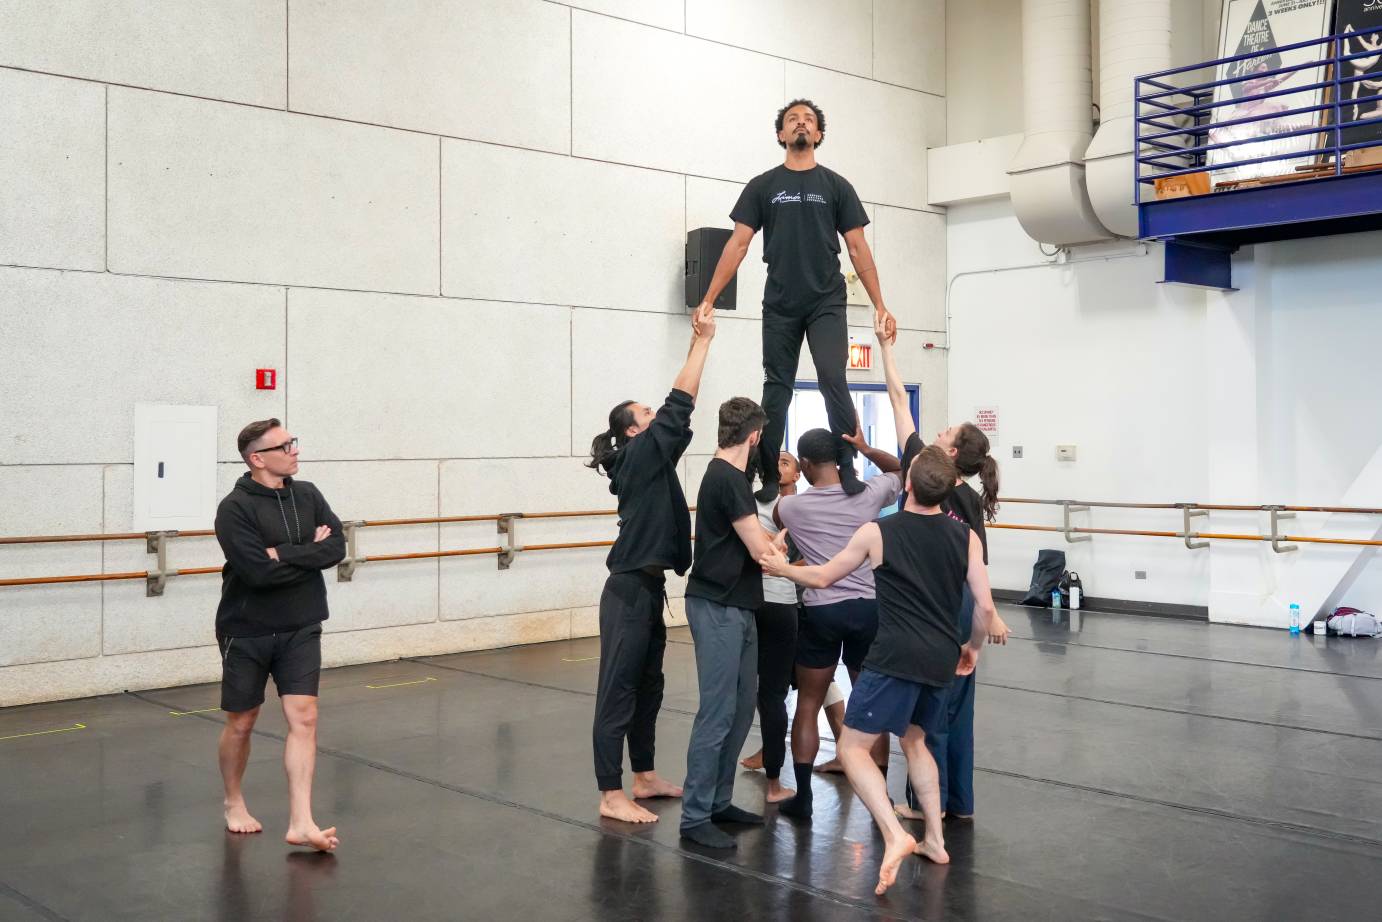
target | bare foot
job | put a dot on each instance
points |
(323, 840)
(754, 762)
(933, 852)
(905, 812)
(649, 784)
(833, 767)
(615, 805)
(777, 793)
(892, 860)
(238, 819)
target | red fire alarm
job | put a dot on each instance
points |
(265, 379)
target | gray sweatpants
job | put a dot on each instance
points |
(727, 668)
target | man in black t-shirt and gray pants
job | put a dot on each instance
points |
(803, 209)
(725, 589)
(922, 559)
(278, 535)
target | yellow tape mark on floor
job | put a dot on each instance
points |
(18, 736)
(401, 684)
(185, 713)
(582, 659)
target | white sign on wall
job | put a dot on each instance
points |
(174, 467)
(986, 418)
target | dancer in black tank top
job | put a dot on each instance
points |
(922, 561)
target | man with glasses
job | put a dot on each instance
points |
(278, 535)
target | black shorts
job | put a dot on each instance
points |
(840, 630)
(293, 658)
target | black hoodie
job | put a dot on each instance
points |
(654, 523)
(260, 595)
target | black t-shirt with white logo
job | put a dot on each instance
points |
(724, 571)
(801, 213)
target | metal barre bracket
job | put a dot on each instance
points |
(1277, 537)
(156, 542)
(508, 526)
(1070, 535)
(345, 570)
(1191, 512)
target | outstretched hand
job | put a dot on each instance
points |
(703, 321)
(885, 328)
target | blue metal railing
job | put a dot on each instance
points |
(1180, 128)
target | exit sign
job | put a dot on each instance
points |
(860, 357)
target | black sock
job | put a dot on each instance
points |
(800, 805)
(708, 835)
(768, 492)
(733, 814)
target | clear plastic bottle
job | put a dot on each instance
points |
(1295, 618)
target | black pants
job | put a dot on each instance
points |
(827, 333)
(633, 638)
(777, 642)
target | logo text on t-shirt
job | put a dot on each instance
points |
(815, 199)
(785, 196)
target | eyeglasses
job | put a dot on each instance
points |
(287, 448)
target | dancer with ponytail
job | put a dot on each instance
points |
(952, 742)
(639, 452)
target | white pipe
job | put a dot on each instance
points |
(1134, 39)
(1048, 184)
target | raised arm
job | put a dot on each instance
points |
(702, 332)
(897, 394)
(867, 544)
(730, 257)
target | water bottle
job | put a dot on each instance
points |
(1055, 598)
(1295, 618)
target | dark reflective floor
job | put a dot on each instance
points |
(1130, 767)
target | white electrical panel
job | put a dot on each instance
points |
(174, 467)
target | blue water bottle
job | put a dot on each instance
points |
(1295, 618)
(1055, 598)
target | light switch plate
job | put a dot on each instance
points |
(1017, 451)
(1065, 452)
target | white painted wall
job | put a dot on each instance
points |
(1264, 395)
(456, 266)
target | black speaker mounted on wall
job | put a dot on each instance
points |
(703, 247)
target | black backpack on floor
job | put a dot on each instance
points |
(1046, 577)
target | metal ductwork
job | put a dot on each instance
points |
(1048, 173)
(1134, 39)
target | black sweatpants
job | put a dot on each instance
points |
(777, 643)
(633, 638)
(827, 333)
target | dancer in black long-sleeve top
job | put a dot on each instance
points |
(278, 535)
(639, 453)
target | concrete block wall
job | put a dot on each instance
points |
(454, 226)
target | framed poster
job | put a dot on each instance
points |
(1250, 27)
(1354, 16)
